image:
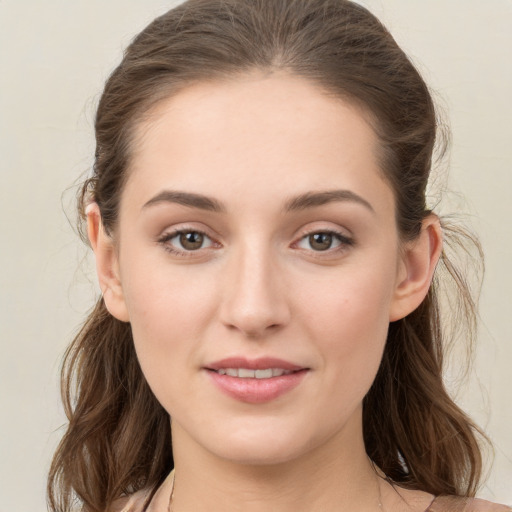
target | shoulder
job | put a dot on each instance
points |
(138, 501)
(133, 503)
(454, 504)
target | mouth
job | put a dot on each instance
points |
(248, 373)
(255, 381)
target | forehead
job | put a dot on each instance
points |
(274, 134)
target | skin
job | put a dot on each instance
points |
(259, 287)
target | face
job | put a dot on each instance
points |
(258, 263)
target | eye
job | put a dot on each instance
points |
(186, 241)
(323, 241)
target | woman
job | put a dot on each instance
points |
(266, 260)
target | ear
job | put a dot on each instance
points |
(419, 260)
(107, 264)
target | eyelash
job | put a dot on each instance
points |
(344, 242)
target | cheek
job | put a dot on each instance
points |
(349, 322)
(169, 307)
(355, 300)
(160, 293)
(168, 315)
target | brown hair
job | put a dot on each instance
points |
(118, 438)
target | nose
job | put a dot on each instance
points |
(254, 300)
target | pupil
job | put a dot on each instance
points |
(191, 240)
(320, 241)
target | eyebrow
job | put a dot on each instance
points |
(313, 199)
(186, 199)
(301, 202)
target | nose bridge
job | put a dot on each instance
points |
(254, 299)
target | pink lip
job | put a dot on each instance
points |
(256, 391)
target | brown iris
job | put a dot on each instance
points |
(320, 241)
(191, 240)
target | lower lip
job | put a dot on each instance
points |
(257, 391)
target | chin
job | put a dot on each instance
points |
(264, 444)
(264, 453)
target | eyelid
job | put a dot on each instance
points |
(324, 227)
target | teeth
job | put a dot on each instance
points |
(246, 373)
(277, 372)
(263, 374)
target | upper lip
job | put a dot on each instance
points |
(260, 363)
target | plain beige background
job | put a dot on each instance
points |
(54, 57)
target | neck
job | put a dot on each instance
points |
(336, 475)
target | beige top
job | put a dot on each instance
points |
(160, 502)
(454, 504)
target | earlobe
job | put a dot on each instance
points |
(417, 269)
(107, 265)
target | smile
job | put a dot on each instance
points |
(247, 373)
(255, 381)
